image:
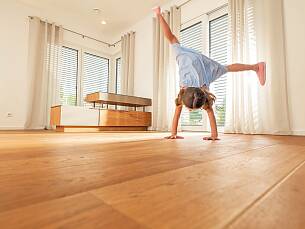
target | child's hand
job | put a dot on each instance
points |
(211, 138)
(157, 10)
(174, 136)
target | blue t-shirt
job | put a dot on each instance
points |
(196, 69)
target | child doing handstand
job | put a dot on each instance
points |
(197, 72)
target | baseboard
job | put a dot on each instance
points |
(12, 128)
(84, 129)
(298, 132)
(293, 132)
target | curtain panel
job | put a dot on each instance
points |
(166, 83)
(45, 42)
(128, 58)
(257, 34)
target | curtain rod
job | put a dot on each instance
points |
(183, 4)
(85, 36)
(206, 13)
(115, 43)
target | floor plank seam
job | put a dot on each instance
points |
(99, 200)
(141, 177)
(49, 200)
(265, 194)
(102, 186)
(220, 158)
(175, 169)
(117, 210)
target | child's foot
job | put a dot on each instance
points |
(157, 10)
(261, 72)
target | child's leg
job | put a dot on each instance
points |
(242, 67)
(259, 68)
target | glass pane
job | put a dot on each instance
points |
(96, 74)
(191, 37)
(68, 79)
(219, 52)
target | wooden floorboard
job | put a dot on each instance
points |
(67, 171)
(47, 184)
(207, 195)
(79, 211)
(140, 180)
(283, 207)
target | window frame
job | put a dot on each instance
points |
(187, 127)
(217, 15)
(79, 56)
(116, 73)
(83, 73)
(205, 20)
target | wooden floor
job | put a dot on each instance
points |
(139, 180)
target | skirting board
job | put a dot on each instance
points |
(78, 129)
(298, 133)
(3, 128)
(12, 128)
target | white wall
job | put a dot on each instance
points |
(13, 56)
(14, 24)
(143, 85)
(294, 18)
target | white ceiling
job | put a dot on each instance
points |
(119, 14)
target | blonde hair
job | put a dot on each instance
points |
(195, 98)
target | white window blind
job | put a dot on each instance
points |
(118, 76)
(68, 79)
(96, 74)
(191, 37)
(218, 42)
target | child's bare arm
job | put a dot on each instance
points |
(214, 133)
(167, 31)
(175, 123)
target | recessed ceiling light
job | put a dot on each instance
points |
(103, 22)
(97, 10)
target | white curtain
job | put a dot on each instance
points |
(165, 88)
(45, 42)
(128, 56)
(257, 34)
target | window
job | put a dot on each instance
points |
(74, 83)
(68, 79)
(96, 74)
(218, 46)
(217, 39)
(191, 37)
(118, 75)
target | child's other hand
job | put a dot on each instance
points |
(211, 139)
(157, 10)
(174, 136)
